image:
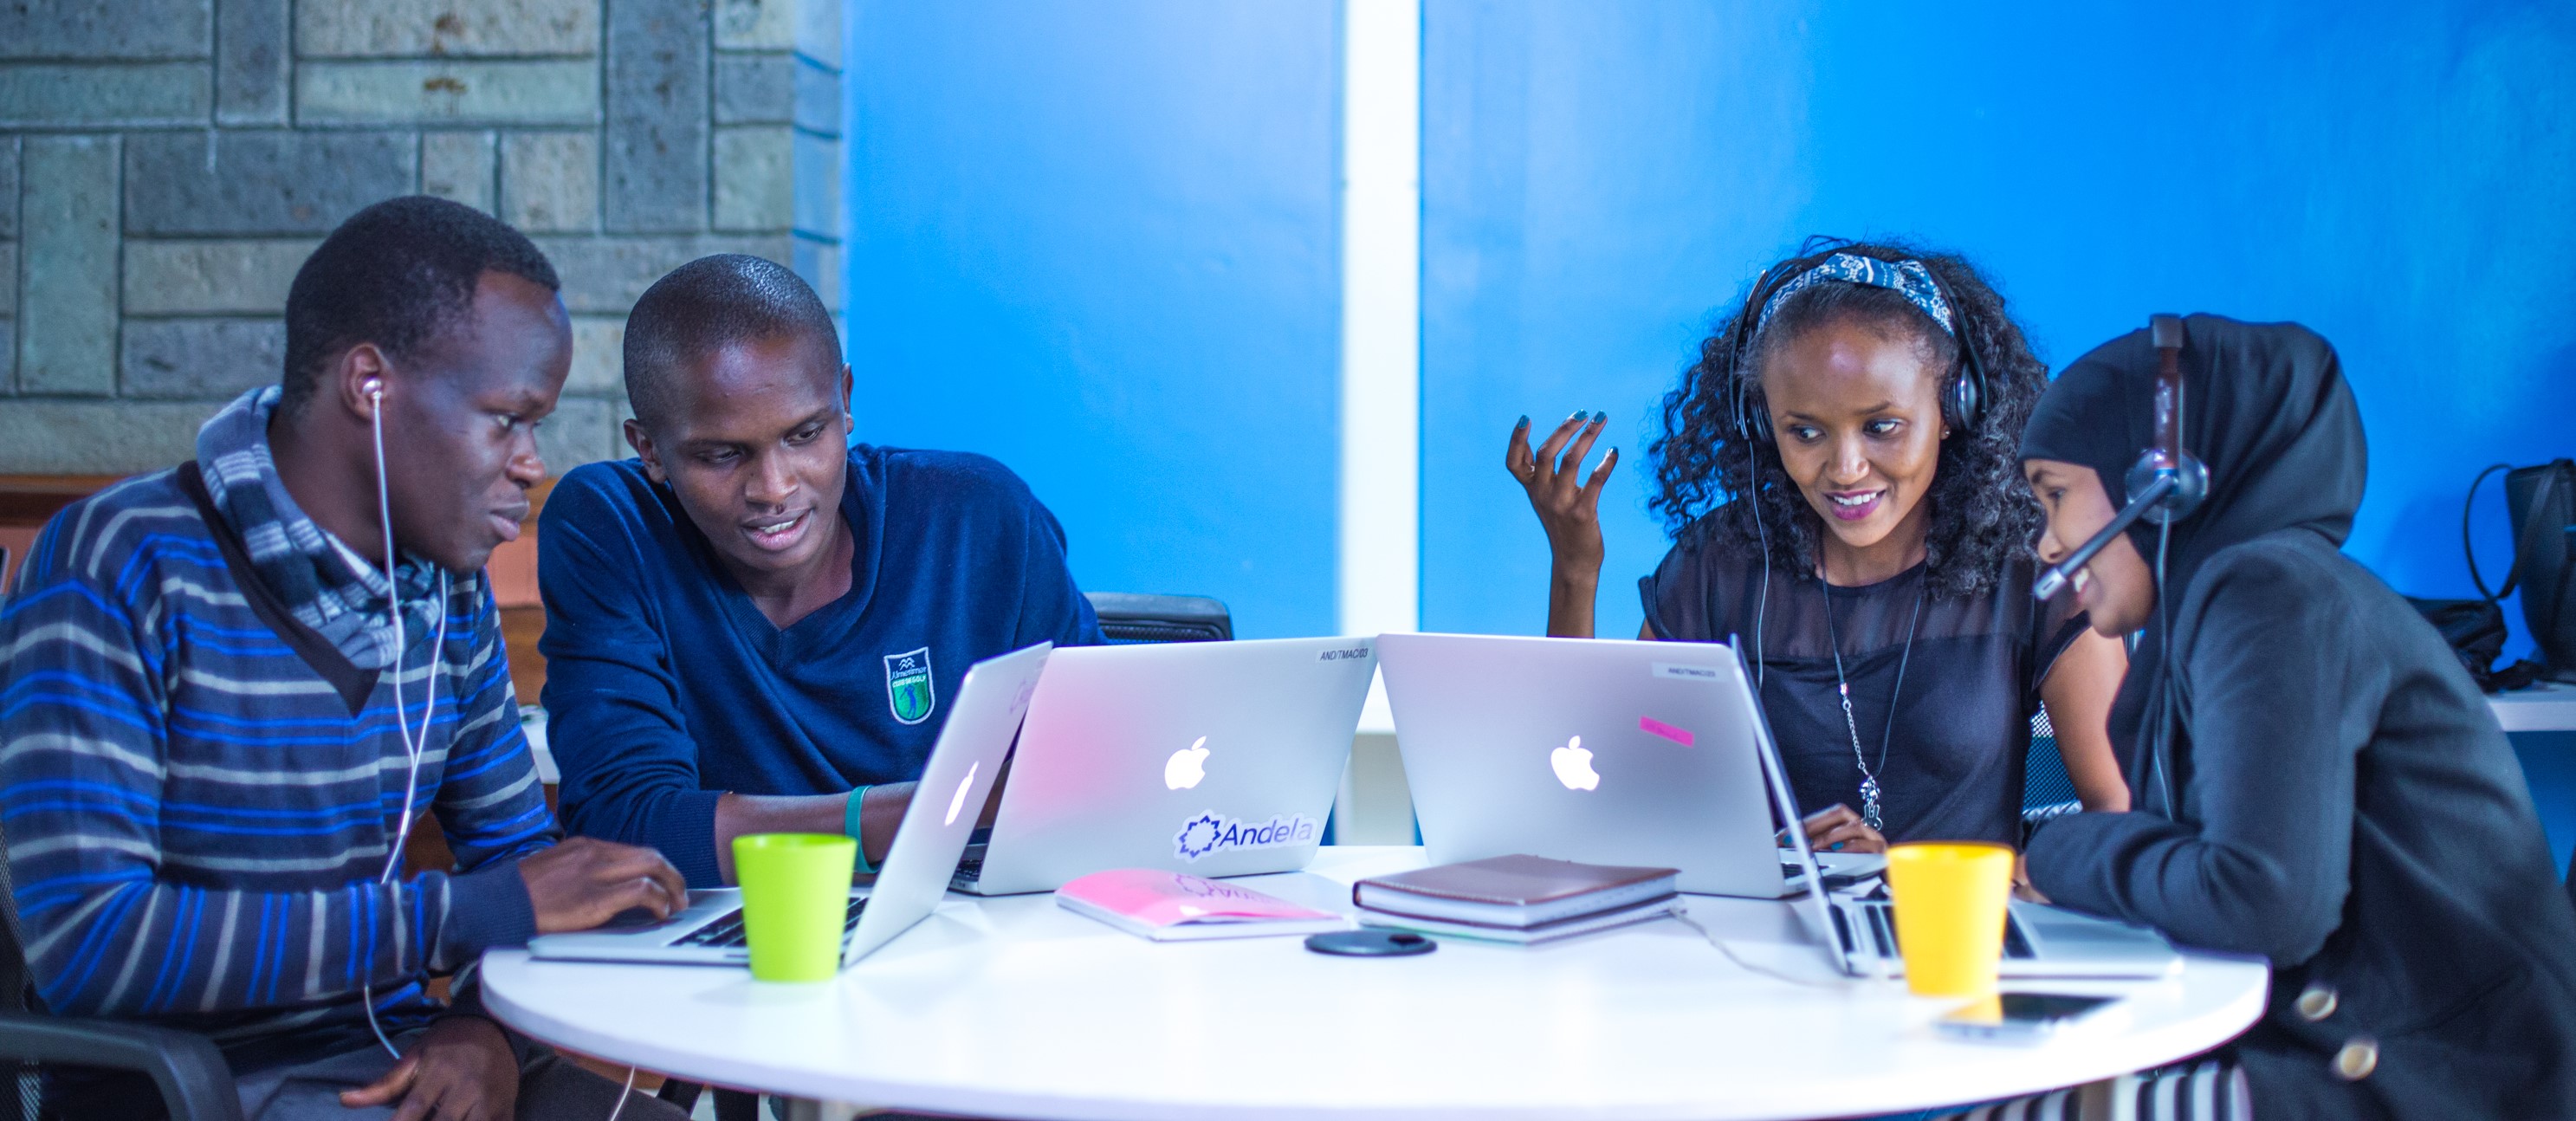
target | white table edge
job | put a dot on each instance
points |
(2060, 1068)
(2194, 1038)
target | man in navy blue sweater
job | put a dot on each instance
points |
(752, 625)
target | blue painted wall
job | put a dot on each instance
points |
(1097, 240)
(2549, 765)
(1600, 181)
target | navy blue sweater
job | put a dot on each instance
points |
(666, 686)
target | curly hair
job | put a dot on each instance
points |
(1981, 514)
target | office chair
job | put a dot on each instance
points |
(2047, 791)
(194, 1081)
(1128, 618)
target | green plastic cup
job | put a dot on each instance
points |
(795, 894)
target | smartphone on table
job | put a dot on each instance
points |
(2021, 1017)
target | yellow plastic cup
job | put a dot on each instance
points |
(1950, 904)
(795, 894)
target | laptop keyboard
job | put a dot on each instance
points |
(727, 933)
(1882, 931)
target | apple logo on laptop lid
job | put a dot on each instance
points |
(1187, 766)
(1573, 765)
(957, 801)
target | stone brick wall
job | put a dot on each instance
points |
(165, 165)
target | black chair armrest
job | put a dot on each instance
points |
(196, 1084)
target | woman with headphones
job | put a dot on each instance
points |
(1839, 474)
(2318, 781)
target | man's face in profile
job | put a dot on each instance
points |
(460, 419)
(756, 448)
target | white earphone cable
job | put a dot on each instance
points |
(622, 1095)
(413, 746)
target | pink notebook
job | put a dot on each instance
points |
(1175, 906)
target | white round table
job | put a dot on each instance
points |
(1015, 1007)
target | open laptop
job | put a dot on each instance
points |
(1598, 750)
(949, 798)
(1212, 758)
(1857, 928)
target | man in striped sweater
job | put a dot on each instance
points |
(228, 686)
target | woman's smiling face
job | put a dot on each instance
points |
(1857, 418)
(2117, 589)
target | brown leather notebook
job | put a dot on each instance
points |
(1512, 891)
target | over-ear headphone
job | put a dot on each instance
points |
(2166, 483)
(1963, 399)
(1964, 406)
(2167, 456)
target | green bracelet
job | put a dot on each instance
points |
(850, 825)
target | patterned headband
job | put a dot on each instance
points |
(1905, 278)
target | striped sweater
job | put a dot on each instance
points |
(198, 796)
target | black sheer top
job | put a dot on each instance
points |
(1953, 765)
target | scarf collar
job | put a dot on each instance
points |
(324, 583)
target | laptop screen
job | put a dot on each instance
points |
(1812, 905)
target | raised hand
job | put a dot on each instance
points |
(1568, 505)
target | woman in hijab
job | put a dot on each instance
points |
(1867, 540)
(2317, 781)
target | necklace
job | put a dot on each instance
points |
(1842, 687)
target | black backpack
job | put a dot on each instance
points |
(2543, 506)
(2542, 503)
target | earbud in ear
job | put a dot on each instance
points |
(375, 389)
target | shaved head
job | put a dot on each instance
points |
(704, 306)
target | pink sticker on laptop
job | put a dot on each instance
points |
(1652, 726)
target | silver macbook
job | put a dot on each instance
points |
(949, 798)
(1857, 926)
(1597, 750)
(1212, 758)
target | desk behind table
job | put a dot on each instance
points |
(2542, 723)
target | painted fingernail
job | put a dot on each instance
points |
(1599, 417)
(1579, 414)
(1523, 424)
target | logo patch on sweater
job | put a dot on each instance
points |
(908, 690)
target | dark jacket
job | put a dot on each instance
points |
(2333, 793)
